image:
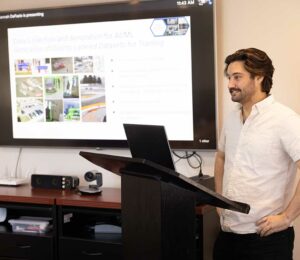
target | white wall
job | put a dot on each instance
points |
(273, 26)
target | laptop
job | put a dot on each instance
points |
(149, 142)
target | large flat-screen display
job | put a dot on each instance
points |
(72, 76)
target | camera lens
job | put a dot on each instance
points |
(90, 176)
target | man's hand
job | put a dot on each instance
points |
(219, 211)
(272, 224)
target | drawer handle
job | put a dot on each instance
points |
(24, 246)
(92, 254)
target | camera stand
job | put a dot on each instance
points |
(91, 189)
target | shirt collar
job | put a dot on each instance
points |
(264, 104)
(261, 105)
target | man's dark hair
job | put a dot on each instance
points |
(257, 63)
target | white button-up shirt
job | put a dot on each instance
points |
(260, 158)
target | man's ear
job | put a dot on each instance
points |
(259, 79)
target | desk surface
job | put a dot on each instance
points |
(109, 198)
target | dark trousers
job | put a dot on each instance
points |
(277, 246)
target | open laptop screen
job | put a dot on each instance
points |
(149, 142)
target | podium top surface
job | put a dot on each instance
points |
(144, 168)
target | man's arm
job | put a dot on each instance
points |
(272, 224)
(219, 171)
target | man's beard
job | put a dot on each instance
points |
(235, 94)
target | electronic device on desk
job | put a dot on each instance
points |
(54, 181)
(205, 180)
(94, 188)
(150, 142)
(13, 181)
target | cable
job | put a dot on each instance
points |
(200, 164)
(188, 157)
(17, 163)
(183, 157)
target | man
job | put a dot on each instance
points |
(256, 163)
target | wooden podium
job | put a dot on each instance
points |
(158, 207)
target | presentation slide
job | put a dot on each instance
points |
(83, 81)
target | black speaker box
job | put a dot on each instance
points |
(54, 181)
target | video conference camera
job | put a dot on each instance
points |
(95, 177)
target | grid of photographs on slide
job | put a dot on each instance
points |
(60, 89)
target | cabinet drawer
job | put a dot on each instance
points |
(83, 249)
(26, 247)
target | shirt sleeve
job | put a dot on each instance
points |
(290, 136)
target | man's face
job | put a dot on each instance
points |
(241, 86)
